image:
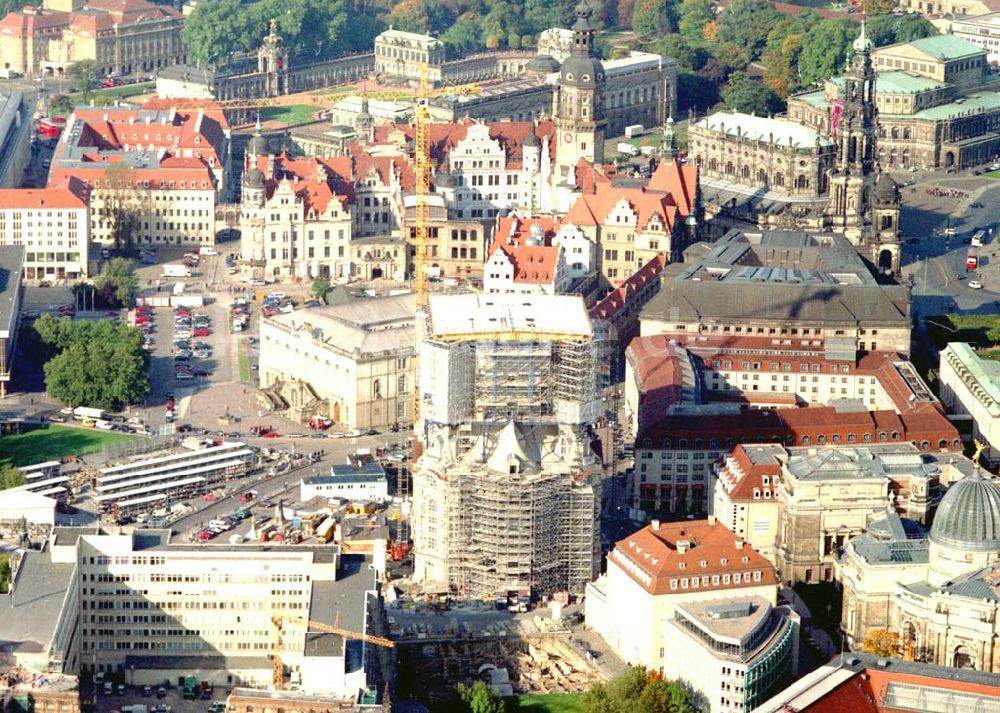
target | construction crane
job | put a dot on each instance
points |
(278, 619)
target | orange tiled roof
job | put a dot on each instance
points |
(70, 194)
(615, 300)
(533, 264)
(315, 181)
(655, 551)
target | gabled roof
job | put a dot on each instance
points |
(625, 293)
(533, 264)
(315, 181)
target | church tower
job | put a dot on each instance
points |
(364, 123)
(862, 206)
(854, 132)
(253, 196)
(579, 112)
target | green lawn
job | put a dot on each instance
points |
(54, 442)
(291, 115)
(244, 364)
(980, 330)
(550, 703)
(993, 174)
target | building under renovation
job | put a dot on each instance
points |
(507, 492)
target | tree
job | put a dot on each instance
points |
(824, 50)
(83, 76)
(320, 287)
(119, 275)
(694, 92)
(654, 17)
(480, 698)
(464, 35)
(881, 642)
(5, 573)
(216, 29)
(637, 690)
(125, 203)
(11, 477)
(104, 365)
(874, 8)
(746, 23)
(888, 29)
(749, 97)
(694, 15)
(60, 104)
(677, 46)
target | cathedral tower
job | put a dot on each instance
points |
(579, 112)
(862, 206)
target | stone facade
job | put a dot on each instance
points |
(777, 155)
(931, 112)
(124, 37)
(408, 55)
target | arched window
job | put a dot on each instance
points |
(377, 389)
(821, 439)
(942, 444)
(745, 172)
(924, 445)
(801, 182)
(895, 435)
(805, 440)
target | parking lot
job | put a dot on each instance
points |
(173, 700)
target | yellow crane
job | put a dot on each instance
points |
(278, 620)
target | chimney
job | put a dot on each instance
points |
(655, 525)
(683, 546)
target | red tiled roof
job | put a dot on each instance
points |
(533, 264)
(655, 550)
(315, 181)
(865, 691)
(70, 194)
(593, 209)
(790, 425)
(444, 137)
(748, 476)
(615, 300)
(516, 230)
(679, 180)
(22, 24)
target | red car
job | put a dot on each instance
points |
(203, 332)
(206, 535)
(142, 319)
(182, 313)
(270, 434)
(143, 310)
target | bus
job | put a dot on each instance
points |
(977, 238)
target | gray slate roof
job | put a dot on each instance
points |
(29, 616)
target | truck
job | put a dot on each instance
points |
(176, 271)
(6, 73)
(628, 149)
(977, 238)
(82, 413)
(634, 130)
(971, 260)
(190, 688)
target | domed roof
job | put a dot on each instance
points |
(254, 178)
(258, 146)
(886, 188)
(968, 518)
(531, 139)
(542, 64)
(577, 71)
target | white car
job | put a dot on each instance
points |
(975, 284)
(182, 334)
(209, 251)
(105, 425)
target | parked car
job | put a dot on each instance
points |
(975, 284)
(203, 332)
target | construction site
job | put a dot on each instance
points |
(506, 495)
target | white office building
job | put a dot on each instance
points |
(970, 387)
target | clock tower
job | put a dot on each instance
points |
(579, 111)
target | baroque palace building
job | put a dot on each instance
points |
(786, 173)
(124, 37)
(935, 105)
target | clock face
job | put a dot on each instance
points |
(568, 137)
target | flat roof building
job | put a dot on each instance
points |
(11, 292)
